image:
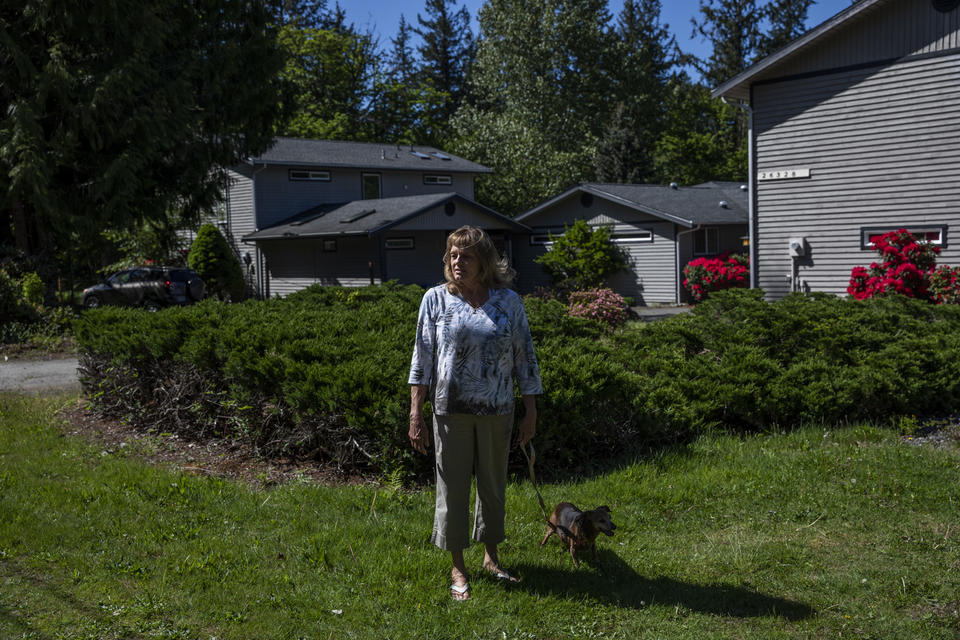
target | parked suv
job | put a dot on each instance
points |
(147, 287)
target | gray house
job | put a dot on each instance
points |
(660, 228)
(855, 131)
(349, 213)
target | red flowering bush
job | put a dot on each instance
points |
(726, 271)
(906, 268)
(602, 305)
(945, 285)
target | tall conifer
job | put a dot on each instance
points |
(447, 51)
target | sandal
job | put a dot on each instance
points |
(461, 592)
(502, 575)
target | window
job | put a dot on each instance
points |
(221, 212)
(329, 246)
(310, 175)
(935, 234)
(398, 243)
(371, 186)
(429, 178)
(706, 241)
(630, 237)
(541, 235)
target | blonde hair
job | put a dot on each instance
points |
(495, 272)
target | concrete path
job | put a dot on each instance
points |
(38, 375)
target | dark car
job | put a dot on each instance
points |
(147, 287)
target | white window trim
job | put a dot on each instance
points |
(941, 229)
(541, 235)
(633, 237)
(436, 178)
(394, 244)
(309, 175)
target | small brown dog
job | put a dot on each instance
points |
(579, 528)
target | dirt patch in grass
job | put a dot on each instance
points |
(222, 458)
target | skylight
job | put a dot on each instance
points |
(357, 216)
(422, 156)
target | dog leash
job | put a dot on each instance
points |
(559, 528)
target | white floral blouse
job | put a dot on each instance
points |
(470, 357)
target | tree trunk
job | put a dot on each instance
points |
(21, 228)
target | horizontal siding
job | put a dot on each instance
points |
(278, 197)
(240, 214)
(883, 148)
(410, 183)
(530, 275)
(296, 264)
(421, 265)
(888, 31)
(463, 213)
(652, 276)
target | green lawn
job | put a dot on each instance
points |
(821, 533)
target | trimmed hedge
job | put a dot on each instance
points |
(323, 372)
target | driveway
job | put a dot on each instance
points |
(39, 375)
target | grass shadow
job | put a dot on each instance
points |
(614, 582)
(12, 572)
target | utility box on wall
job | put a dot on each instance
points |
(798, 247)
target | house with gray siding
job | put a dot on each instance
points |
(660, 228)
(854, 131)
(351, 213)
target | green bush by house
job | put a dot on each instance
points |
(210, 256)
(323, 372)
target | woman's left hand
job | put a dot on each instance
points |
(528, 425)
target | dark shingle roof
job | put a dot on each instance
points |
(364, 155)
(364, 217)
(688, 206)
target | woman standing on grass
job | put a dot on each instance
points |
(472, 342)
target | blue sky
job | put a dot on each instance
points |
(383, 16)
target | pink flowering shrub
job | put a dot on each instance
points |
(906, 268)
(602, 305)
(945, 285)
(726, 271)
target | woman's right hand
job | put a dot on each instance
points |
(419, 436)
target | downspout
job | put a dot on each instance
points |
(261, 276)
(751, 182)
(679, 273)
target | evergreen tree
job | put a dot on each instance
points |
(312, 14)
(210, 256)
(731, 27)
(447, 52)
(621, 156)
(405, 109)
(401, 64)
(111, 112)
(642, 64)
(582, 258)
(787, 19)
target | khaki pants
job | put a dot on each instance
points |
(465, 446)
